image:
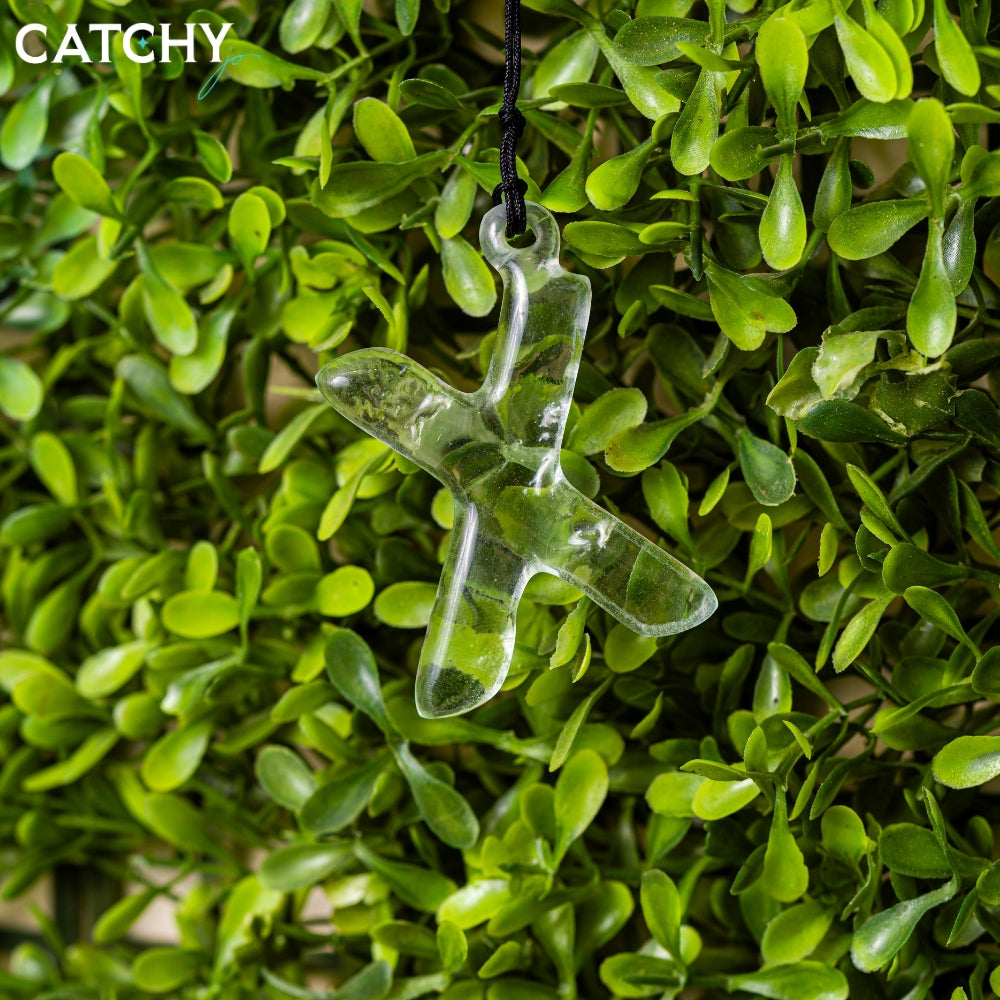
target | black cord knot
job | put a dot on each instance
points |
(511, 121)
(516, 188)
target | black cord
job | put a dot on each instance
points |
(511, 188)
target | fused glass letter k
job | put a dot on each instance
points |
(497, 452)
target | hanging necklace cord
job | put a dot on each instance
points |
(511, 188)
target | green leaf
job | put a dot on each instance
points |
(344, 592)
(195, 614)
(579, 795)
(880, 937)
(164, 970)
(968, 761)
(932, 313)
(194, 372)
(340, 801)
(298, 866)
(149, 382)
(858, 632)
(815, 980)
(783, 60)
(936, 609)
(406, 605)
(302, 23)
(21, 390)
(768, 471)
(213, 155)
(167, 313)
(786, 876)
(735, 154)
(954, 53)
(249, 227)
(869, 230)
(715, 800)
(652, 41)
(289, 436)
(111, 668)
(53, 465)
(612, 412)
(467, 277)
(795, 933)
(354, 187)
(81, 181)
(285, 777)
(24, 126)
(443, 809)
(67, 772)
(783, 224)
(932, 147)
(175, 757)
(351, 668)
(662, 910)
(869, 64)
(381, 132)
(612, 184)
(744, 311)
(697, 128)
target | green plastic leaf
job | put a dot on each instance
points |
(784, 60)
(932, 313)
(580, 792)
(81, 181)
(697, 128)
(869, 230)
(467, 277)
(24, 127)
(53, 464)
(880, 937)
(21, 390)
(249, 227)
(745, 312)
(381, 132)
(351, 668)
(443, 809)
(783, 224)
(815, 980)
(612, 412)
(869, 64)
(175, 757)
(938, 611)
(612, 184)
(858, 632)
(768, 471)
(195, 614)
(111, 668)
(958, 62)
(406, 605)
(786, 876)
(968, 761)
(795, 933)
(284, 775)
(932, 147)
(662, 909)
(302, 23)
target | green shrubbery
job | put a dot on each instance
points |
(788, 378)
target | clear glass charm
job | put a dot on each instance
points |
(497, 452)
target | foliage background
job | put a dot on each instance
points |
(786, 802)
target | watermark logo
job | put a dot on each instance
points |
(139, 41)
(216, 75)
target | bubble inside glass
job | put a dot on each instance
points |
(497, 452)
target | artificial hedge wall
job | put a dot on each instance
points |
(213, 588)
